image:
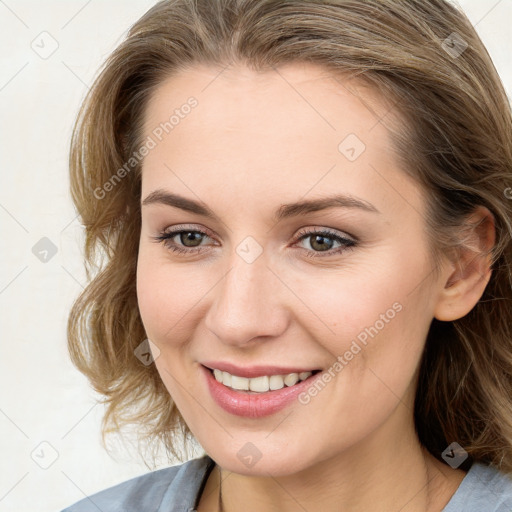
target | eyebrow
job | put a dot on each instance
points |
(285, 211)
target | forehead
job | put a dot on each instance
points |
(293, 130)
(298, 91)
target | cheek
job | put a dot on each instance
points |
(169, 298)
(166, 300)
(375, 319)
(343, 305)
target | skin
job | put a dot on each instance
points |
(254, 142)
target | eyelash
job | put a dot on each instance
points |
(346, 243)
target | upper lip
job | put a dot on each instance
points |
(256, 370)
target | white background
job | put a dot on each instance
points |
(43, 397)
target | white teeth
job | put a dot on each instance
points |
(276, 382)
(291, 379)
(226, 378)
(241, 383)
(259, 384)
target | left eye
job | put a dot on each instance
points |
(319, 241)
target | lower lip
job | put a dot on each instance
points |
(254, 405)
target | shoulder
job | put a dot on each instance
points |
(151, 491)
(483, 489)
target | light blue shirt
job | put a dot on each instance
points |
(178, 489)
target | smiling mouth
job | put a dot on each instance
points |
(261, 384)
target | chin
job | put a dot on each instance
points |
(250, 461)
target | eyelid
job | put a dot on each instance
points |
(176, 229)
(330, 231)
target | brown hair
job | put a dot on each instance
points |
(455, 139)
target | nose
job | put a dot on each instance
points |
(248, 304)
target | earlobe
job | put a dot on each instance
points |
(465, 279)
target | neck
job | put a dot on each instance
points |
(386, 470)
(402, 476)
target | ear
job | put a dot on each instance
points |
(467, 275)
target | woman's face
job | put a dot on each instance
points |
(262, 284)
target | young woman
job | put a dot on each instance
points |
(304, 213)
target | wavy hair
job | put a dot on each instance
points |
(454, 138)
